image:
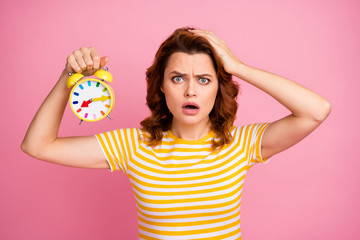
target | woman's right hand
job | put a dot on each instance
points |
(85, 60)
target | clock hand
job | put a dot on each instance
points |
(102, 98)
(86, 103)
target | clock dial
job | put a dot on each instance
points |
(91, 99)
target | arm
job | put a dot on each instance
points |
(41, 140)
(308, 109)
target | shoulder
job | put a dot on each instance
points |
(124, 133)
(248, 130)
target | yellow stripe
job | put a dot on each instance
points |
(164, 159)
(188, 179)
(186, 165)
(126, 144)
(187, 149)
(121, 161)
(172, 143)
(191, 215)
(109, 157)
(249, 138)
(227, 235)
(147, 237)
(176, 179)
(259, 138)
(190, 200)
(194, 157)
(189, 232)
(190, 208)
(192, 223)
(168, 193)
(122, 148)
(174, 157)
(176, 140)
(111, 149)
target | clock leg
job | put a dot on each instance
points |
(81, 121)
(109, 117)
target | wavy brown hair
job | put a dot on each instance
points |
(222, 115)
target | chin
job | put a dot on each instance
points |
(192, 120)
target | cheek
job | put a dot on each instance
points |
(215, 92)
(213, 97)
(170, 98)
(209, 101)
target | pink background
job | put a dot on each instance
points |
(308, 192)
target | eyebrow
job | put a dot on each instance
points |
(198, 75)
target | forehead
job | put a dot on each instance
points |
(184, 62)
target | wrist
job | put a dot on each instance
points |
(63, 80)
(65, 73)
(240, 69)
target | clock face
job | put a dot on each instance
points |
(91, 99)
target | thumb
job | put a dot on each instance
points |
(103, 61)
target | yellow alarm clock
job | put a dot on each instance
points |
(91, 99)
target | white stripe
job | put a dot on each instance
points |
(115, 150)
(109, 151)
(185, 189)
(194, 211)
(126, 142)
(188, 219)
(184, 146)
(192, 204)
(201, 174)
(189, 228)
(194, 236)
(235, 237)
(183, 154)
(103, 150)
(178, 194)
(197, 166)
(123, 155)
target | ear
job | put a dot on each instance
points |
(161, 88)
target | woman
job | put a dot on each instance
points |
(187, 164)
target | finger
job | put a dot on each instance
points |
(203, 34)
(95, 58)
(87, 58)
(79, 59)
(210, 36)
(199, 31)
(72, 64)
(103, 61)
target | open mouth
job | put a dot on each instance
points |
(192, 107)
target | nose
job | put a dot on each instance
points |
(190, 90)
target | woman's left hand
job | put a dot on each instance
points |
(230, 61)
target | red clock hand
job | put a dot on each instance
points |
(86, 103)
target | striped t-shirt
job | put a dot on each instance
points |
(184, 189)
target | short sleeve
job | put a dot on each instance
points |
(118, 147)
(255, 135)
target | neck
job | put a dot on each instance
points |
(192, 131)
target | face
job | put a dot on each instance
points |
(190, 86)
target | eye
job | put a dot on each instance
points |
(177, 79)
(204, 80)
